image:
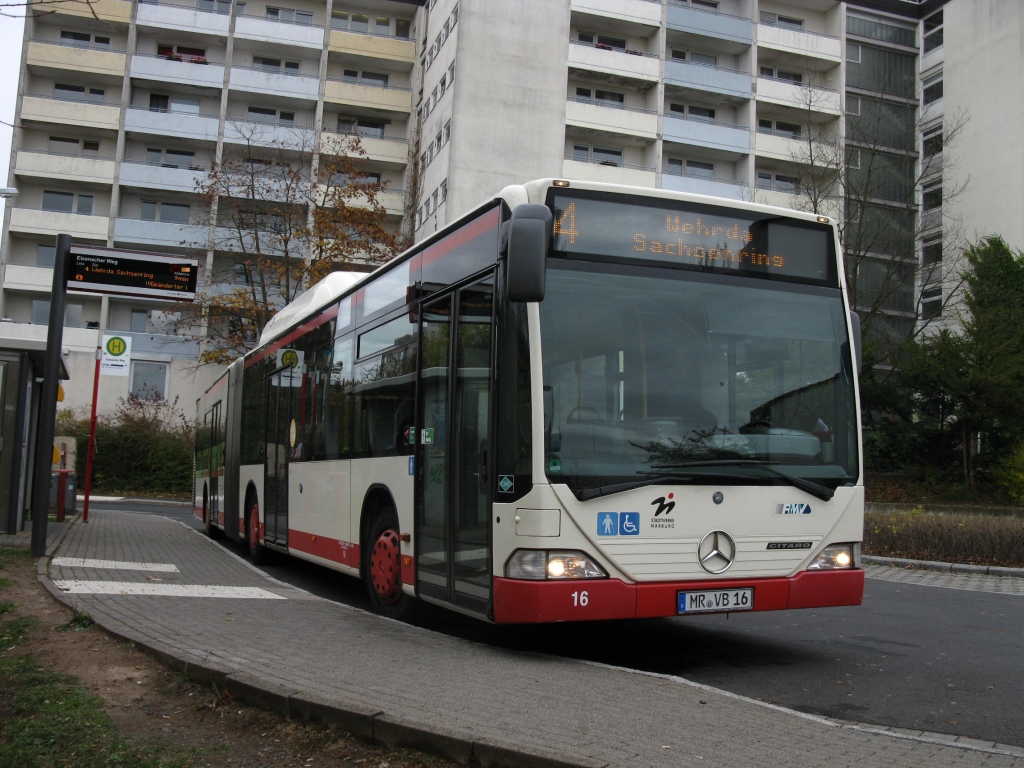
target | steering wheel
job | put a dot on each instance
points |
(574, 414)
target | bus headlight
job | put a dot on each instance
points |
(538, 564)
(837, 557)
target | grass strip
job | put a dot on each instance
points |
(48, 720)
(920, 535)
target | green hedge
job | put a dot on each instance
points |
(145, 448)
(920, 535)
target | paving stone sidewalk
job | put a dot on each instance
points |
(404, 686)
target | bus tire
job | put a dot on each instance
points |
(256, 551)
(382, 567)
(208, 523)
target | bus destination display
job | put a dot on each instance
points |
(698, 236)
(108, 270)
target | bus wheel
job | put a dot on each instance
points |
(383, 567)
(257, 552)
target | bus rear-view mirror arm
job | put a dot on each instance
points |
(529, 238)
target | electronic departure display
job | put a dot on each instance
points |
(694, 236)
(132, 273)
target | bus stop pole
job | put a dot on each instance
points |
(90, 452)
(48, 399)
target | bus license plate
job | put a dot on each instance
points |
(711, 600)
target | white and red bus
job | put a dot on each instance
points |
(578, 401)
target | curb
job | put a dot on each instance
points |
(367, 724)
(931, 565)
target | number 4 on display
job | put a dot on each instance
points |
(568, 217)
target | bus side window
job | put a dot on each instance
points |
(339, 422)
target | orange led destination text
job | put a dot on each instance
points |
(703, 253)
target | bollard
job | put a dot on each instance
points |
(62, 488)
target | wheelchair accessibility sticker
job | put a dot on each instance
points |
(618, 523)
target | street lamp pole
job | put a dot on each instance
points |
(48, 399)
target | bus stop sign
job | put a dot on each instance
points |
(132, 273)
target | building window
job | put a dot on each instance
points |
(67, 202)
(776, 20)
(58, 145)
(216, 6)
(931, 253)
(289, 15)
(933, 88)
(84, 39)
(852, 104)
(931, 303)
(46, 255)
(704, 59)
(853, 51)
(602, 97)
(853, 158)
(700, 168)
(932, 198)
(779, 128)
(778, 182)
(933, 32)
(139, 320)
(79, 93)
(170, 213)
(379, 79)
(149, 380)
(268, 64)
(585, 153)
(170, 158)
(782, 74)
(361, 126)
(270, 116)
(40, 312)
(932, 144)
(604, 42)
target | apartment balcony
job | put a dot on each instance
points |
(633, 175)
(705, 185)
(707, 133)
(162, 233)
(721, 26)
(38, 222)
(179, 125)
(779, 196)
(779, 146)
(388, 98)
(47, 109)
(182, 18)
(284, 135)
(75, 339)
(399, 50)
(280, 32)
(391, 198)
(163, 344)
(275, 83)
(726, 82)
(390, 152)
(931, 219)
(646, 13)
(27, 279)
(634, 67)
(185, 72)
(606, 118)
(148, 176)
(50, 165)
(800, 42)
(932, 165)
(803, 97)
(115, 11)
(54, 57)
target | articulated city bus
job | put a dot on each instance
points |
(579, 401)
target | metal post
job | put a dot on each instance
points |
(48, 399)
(92, 436)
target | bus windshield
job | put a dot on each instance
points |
(650, 370)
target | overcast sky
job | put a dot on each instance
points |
(10, 61)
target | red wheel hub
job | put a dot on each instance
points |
(386, 568)
(254, 526)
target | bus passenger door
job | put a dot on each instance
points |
(453, 451)
(278, 441)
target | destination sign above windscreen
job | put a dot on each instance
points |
(694, 236)
(132, 273)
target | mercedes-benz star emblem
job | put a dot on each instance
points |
(716, 552)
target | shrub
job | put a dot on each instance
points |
(1010, 475)
(144, 448)
(919, 535)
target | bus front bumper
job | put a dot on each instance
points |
(531, 602)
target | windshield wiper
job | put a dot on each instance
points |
(654, 478)
(822, 492)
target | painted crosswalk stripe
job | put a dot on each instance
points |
(119, 565)
(80, 587)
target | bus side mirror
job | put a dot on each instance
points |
(855, 331)
(529, 237)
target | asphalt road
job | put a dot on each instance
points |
(918, 657)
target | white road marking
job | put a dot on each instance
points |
(80, 587)
(119, 565)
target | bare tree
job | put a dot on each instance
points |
(890, 204)
(282, 216)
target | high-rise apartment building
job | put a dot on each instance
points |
(454, 99)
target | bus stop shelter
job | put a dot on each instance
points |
(21, 372)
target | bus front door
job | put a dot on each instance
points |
(280, 437)
(453, 562)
